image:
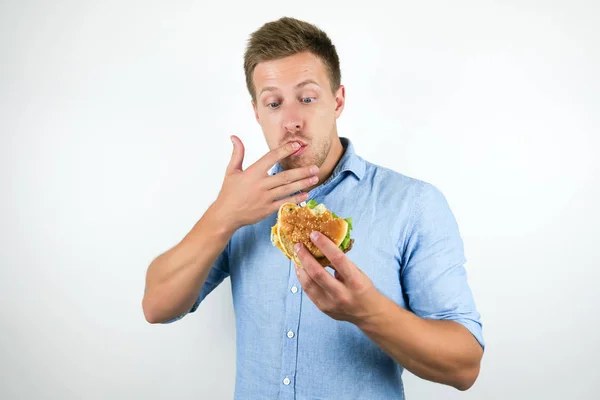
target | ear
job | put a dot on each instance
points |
(340, 100)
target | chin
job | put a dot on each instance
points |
(296, 163)
(303, 160)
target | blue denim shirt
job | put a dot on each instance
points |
(406, 240)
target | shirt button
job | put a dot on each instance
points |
(294, 289)
(290, 334)
(286, 381)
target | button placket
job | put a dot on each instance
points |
(293, 306)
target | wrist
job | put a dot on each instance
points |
(220, 220)
(375, 307)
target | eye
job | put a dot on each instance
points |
(308, 100)
(273, 105)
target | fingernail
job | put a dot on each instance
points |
(297, 247)
(313, 179)
(314, 235)
(314, 169)
(295, 145)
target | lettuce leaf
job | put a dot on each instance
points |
(349, 221)
(346, 241)
(311, 204)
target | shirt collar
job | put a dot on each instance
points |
(350, 161)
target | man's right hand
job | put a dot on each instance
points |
(176, 277)
(248, 196)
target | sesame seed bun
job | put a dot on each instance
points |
(295, 223)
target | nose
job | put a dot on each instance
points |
(292, 120)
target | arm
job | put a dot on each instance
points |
(175, 278)
(440, 338)
(434, 280)
(436, 350)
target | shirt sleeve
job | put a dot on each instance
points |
(433, 273)
(218, 272)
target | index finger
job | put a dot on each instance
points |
(275, 155)
(316, 272)
(338, 259)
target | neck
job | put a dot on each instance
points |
(335, 154)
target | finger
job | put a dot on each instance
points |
(316, 271)
(339, 260)
(293, 187)
(316, 293)
(272, 157)
(237, 156)
(291, 176)
(296, 198)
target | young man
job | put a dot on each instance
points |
(398, 300)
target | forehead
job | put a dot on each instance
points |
(285, 73)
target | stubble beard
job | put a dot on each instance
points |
(316, 154)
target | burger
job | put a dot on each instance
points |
(295, 223)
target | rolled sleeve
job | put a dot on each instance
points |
(433, 273)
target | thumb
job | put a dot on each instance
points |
(237, 157)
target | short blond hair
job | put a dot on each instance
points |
(286, 37)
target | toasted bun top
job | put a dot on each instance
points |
(295, 223)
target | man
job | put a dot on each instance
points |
(398, 300)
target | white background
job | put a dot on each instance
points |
(114, 122)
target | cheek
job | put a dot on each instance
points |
(325, 111)
(271, 130)
(324, 117)
(270, 121)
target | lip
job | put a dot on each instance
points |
(298, 141)
(299, 151)
(303, 146)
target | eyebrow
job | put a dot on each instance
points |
(298, 86)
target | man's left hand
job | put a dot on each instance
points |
(348, 295)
